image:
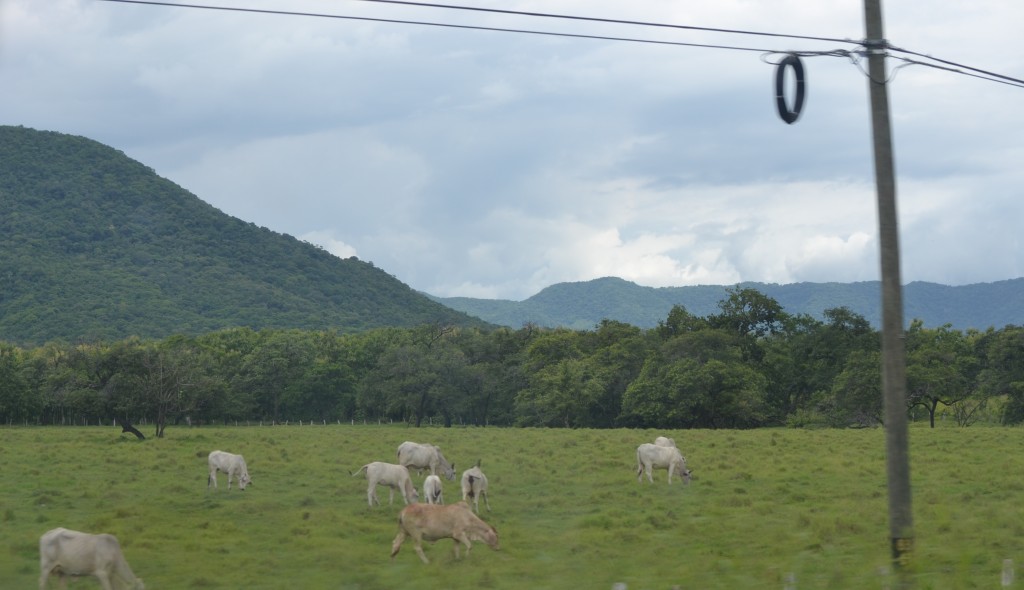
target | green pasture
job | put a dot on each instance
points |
(765, 506)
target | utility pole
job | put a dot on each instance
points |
(894, 361)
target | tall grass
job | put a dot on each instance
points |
(764, 506)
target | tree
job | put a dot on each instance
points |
(1003, 370)
(940, 367)
(16, 403)
(748, 312)
(856, 397)
(805, 358)
(697, 380)
(273, 372)
(560, 394)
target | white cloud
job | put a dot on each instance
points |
(327, 241)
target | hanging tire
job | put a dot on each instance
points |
(790, 115)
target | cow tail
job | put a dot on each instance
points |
(361, 469)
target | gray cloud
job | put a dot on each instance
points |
(492, 165)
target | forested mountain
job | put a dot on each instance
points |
(96, 246)
(583, 305)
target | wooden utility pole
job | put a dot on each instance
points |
(894, 361)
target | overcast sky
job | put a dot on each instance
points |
(489, 164)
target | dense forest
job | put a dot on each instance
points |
(97, 246)
(749, 365)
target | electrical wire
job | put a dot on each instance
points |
(608, 20)
(853, 56)
(958, 68)
(438, 24)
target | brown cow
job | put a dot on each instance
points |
(432, 522)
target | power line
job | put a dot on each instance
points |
(439, 24)
(608, 20)
(852, 55)
(991, 76)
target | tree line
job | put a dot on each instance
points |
(749, 365)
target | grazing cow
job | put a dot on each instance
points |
(664, 441)
(474, 485)
(425, 456)
(650, 457)
(432, 522)
(70, 553)
(432, 490)
(233, 465)
(390, 475)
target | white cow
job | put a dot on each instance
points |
(390, 475)
(474, 485)
(425, 456)
(70, 553)
(430, 522)
(233, 465)
(432, 490)
(650, 457)
(664, 441)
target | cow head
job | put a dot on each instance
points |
(244, 480)
(489, 535)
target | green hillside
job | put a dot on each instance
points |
(583, 305)
(96, 246)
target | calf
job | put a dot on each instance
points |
(474, 485)
(70, 553)
(391, 475)
(432, 522)
(432, 490)
(233, 465)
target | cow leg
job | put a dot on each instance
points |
(463, 538)
(649, 469)
(391, 495)
(419, 549)
(44, 577)
(104, 578)
(639, 473)
(486, 501)
(371, 495)
(212, 479)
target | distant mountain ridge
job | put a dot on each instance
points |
(582, 305)
(96, 246)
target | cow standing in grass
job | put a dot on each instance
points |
(474, 485)
(650, 457)
(233, 465)
(425, 456)
(64, 552)
(431, 522)
(395, 477)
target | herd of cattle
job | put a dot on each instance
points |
(64, 552)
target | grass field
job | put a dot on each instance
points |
(764, 506)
